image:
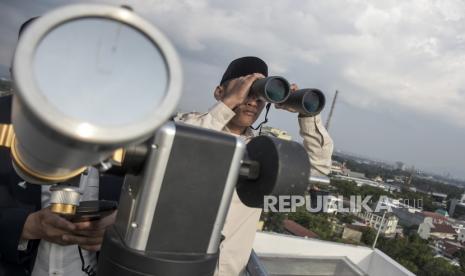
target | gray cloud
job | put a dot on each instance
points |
(398, 64)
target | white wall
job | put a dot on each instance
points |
(372, 262)
(381, 264)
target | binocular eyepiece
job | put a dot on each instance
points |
(276, 89)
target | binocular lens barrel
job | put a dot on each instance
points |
(312, 102)
(308, 102)
(271, 89)
(276, 89)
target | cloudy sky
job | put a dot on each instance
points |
(399, 65)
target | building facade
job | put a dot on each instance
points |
(388, 224)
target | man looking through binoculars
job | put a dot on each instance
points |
(235, 112)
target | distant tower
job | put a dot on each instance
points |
(328, 121)
(412, 172)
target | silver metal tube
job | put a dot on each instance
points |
(319, 180)
(379, 230)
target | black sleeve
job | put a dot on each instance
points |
(110, 187)
(5, 109)
(11, 226)
(16, 204)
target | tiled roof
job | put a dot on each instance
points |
(443, 228)
(297, 229)
(434, 215)
(451, 248)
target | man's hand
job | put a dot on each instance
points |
(46, 225)
(294, 88)
(89, 234)
(237, 90)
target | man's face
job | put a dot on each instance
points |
(248, 112)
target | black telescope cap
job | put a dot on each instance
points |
(244, 66)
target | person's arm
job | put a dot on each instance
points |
(317, 143)
(216, 118)
(221, 113)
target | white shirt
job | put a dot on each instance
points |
(241, 222)
(57, 260)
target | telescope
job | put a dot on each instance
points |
(95, 85)
(274, 89)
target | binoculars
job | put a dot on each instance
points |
(277, 90)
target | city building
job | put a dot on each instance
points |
(401, 166)
(356, 174)
(457, 207)
(293, 228)
(409, 204)
(275, 132)
(338, 168)
(442, 212)
(407, 211)
(458, 225)
(439, 199)
(430, 229)
(408, 216)
(447, 248)
(362, 181)
(329, 203)
(461, 236)
(388, 224)
(437, 218)
(353, 233)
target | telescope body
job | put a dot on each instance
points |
(170, 216)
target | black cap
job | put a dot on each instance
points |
(244, 66)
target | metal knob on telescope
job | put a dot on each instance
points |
(64, 199)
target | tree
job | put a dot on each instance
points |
(460, 255)
(368, 236)
(346, 218)
(273, 221)
(439, 266)
(415, 254)
(316, 222)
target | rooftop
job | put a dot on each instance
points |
(357, 227)
(443, 228)
(289, 255)
(434, 215)
(297, 229)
